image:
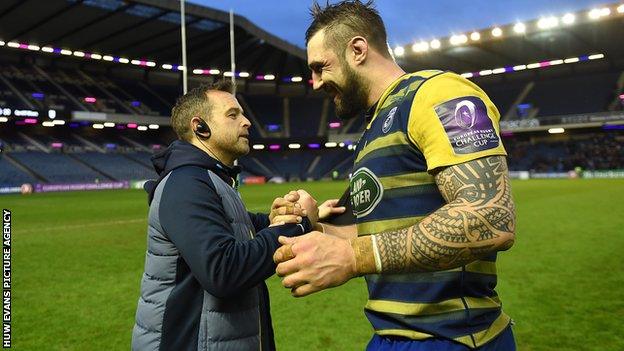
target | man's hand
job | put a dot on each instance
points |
(286, 210)
(308, 203)
(330, 207)
(314, 262)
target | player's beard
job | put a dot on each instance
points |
(353, 97)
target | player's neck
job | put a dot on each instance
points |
(384, 74)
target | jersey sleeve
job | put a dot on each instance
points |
(453, 121)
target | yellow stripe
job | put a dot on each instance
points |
(488, 334)
(484, 267)
(396, 138)
(496, 328)
(483, 302)
(481, 337)
(410, 179)
(383, 97)
(368, 228)
(423, 309)
(382, 101)
(400, 95)
(412, 334)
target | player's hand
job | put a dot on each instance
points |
(309, 204)
(286, 210)
(313, 262)
(329, 208)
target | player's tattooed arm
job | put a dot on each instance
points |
(478, 219)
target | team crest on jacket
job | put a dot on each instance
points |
(387, 124)
(366, 192)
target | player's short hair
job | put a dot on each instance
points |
(195, 103)
(345, 20)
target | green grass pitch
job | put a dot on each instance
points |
(78, 259)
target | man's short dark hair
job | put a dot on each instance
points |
(345, 20)
(195, 103)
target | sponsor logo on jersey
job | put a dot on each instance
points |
(366, 192)
(387, 124)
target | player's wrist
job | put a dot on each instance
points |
(364, 256)
(319, 227)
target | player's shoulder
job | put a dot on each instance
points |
(427, 73)
(434, 79)
(433, 82)
(446, 84)
(411, 82)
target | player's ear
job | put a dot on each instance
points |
(358, 50)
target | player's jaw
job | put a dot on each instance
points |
(351, 96)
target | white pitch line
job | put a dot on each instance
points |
(79, 226)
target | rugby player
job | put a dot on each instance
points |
(429, 192)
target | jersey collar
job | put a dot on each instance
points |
(374, 110)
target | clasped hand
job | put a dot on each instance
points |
(314, 261)
(293, 207)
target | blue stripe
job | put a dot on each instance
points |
(448, 286)
(414, 190)
(490, 258)
(387, 166)
(400, 150)
(401, 116)
(412, 205)
(398, 124)
(503, 341)
(441, 325)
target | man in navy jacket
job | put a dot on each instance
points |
(207, 257)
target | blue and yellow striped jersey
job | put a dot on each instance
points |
(424, 121)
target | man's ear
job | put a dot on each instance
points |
(193, 121)
(357, 50)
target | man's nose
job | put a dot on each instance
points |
(246, 122)
(317, 82)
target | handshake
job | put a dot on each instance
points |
(317, 260)
(298, 204)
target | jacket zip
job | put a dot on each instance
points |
(259, 316)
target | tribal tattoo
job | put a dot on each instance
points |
(479, 218)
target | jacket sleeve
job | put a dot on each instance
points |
(192, 216)
(259, 220)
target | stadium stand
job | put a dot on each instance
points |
(302, 111)
(84, 93)
(67, 90)
(562, 96)
(11, 175)
(590, 151)
(87, 155)
(117, 166)
(57, 167)
(297, 164)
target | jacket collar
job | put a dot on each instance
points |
(182, 153)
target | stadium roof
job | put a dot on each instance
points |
(581, 34)
(147, 33)
(149, 30)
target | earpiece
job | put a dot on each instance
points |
(203, 130)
